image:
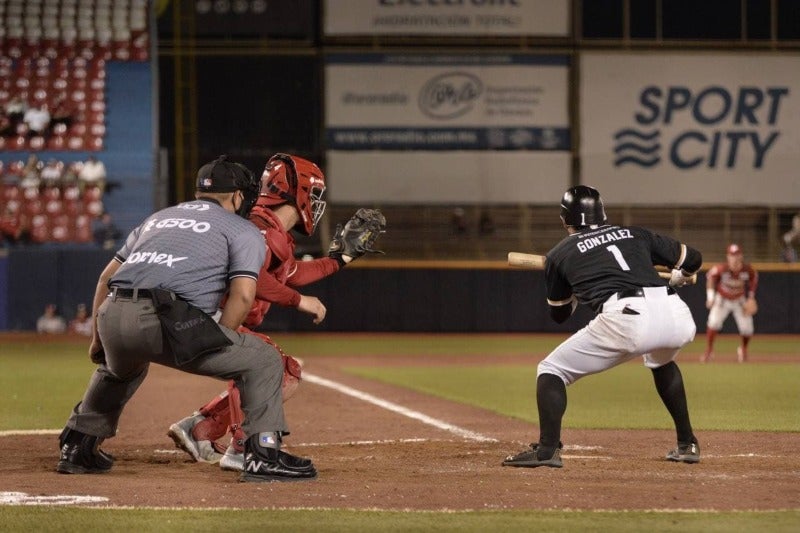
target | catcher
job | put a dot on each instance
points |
(291, 198)
(731, 288)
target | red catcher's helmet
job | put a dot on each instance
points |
(734, 249)
(289, 179)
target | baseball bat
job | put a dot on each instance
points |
(536, 262)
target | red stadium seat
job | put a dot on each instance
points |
(61, 229)
(37, 143)
(82, 228)
(39, 229)
(75, 142)
(56, 142)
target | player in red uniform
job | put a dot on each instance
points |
(290, 198)
(731, 288)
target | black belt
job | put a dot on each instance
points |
(637, 292)
(132, 294)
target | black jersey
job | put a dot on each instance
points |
(595, 263)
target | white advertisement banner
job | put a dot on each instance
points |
(446, 102)
(419, 177)
(691, 128)
(447, 18)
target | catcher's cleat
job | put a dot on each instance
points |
(202, 451)
(685, 453)
(264, 464)
(741, 354)
(530, 458)
(232, 459)
(81, 454)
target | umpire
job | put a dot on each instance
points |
(154, 303)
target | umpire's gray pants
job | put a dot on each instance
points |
(131, 336)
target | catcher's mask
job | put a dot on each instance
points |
(222, 175)
(582, 206)
(296, 181)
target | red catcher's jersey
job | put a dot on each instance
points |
(280, 272)
(732, 285)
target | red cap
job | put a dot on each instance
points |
(734, 249)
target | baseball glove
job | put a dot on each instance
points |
(358, 236)
(750, 307)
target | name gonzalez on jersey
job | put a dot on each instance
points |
(588, 241)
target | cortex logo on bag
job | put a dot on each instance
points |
(180, 223)
(155, 258)
(710, 127)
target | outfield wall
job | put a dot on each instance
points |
(379, 296)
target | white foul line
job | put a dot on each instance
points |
(416, 415)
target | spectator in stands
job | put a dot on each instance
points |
(7, 126)
(70, 175)
(30, 173)
(13, 174)
(62, 114)
(485, 223)
(789, 238)
(15, 109)
(106, 233)
(38, 120)
(459, 221)
(51, 173)
(51, 321)
(82, 323)
(11, 227)
(92, 173)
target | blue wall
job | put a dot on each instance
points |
(375, 299)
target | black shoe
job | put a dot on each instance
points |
(81, 454)
(263, 465)
(531, 457)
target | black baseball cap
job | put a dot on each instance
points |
(222, 175)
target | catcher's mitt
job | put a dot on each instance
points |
(750, 307)
(358, 236)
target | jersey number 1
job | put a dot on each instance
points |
(618, 256)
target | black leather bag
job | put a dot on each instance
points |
(188, 331)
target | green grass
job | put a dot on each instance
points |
(733, 397)
(88, 520)
(60, 369)
(721, 397)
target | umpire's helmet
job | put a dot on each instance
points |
(582, 206)
(222, 175)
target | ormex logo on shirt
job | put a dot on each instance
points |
(712, 127)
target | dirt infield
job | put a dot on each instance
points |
(371, 458)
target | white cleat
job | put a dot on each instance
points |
(741, 355)
(201, 451)
(232, 460)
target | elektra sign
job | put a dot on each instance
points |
(712, 127)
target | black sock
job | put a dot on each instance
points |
(669, 384)
(551, 397)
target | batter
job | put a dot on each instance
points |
(610, 269)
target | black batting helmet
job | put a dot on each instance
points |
(582, 206)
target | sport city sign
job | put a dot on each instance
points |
(691, 128)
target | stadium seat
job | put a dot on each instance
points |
(39, 229)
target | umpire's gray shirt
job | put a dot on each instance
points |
(193, 249)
